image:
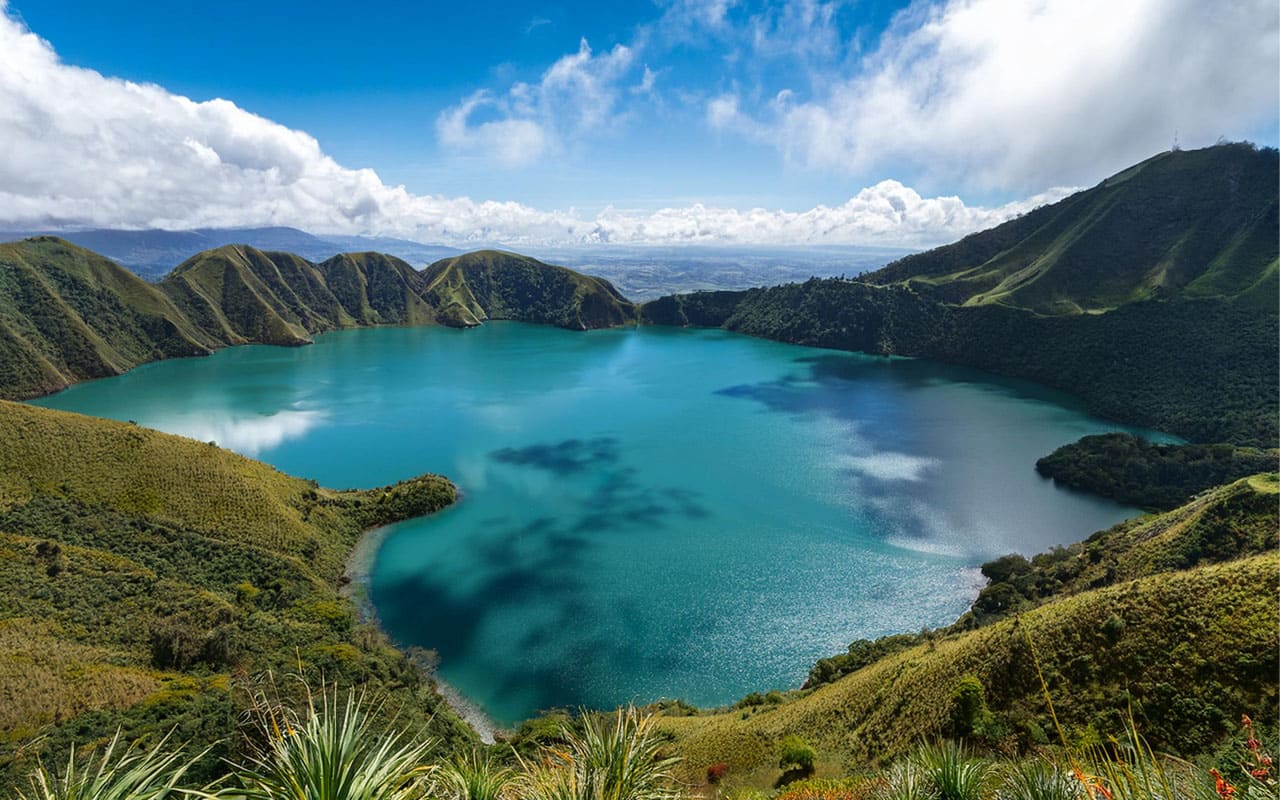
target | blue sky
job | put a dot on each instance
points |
(369, 82)
(840, 121)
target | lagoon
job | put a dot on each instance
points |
(647, 512)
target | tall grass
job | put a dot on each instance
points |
(472, 775)
(615, 757)
(332, 753)
(953, 772)
(114, 773)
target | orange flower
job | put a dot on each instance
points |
(1224, 789)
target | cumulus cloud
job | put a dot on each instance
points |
(577, 95)
(1016, 95)
(83, 149)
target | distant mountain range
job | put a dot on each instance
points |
(152, 253)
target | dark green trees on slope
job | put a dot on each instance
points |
(1152, 296)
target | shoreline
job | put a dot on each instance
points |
(358, 568)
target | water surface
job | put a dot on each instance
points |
(646, 513)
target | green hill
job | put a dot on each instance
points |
(1174, 259)
(492, 284)
(67, 315)
(140, 571)
(1184, 224)
(377, 289)
(1171, 617)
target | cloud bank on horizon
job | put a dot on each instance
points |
(988, 94)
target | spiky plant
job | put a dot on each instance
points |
(906, 780)
(331, 753)
(615, 757)
(1131, 770)
(471, 776)
(1038, 779)
(115, 773)
(953, 772)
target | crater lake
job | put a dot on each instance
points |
(647, 512)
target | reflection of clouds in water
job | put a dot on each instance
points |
(246, 435)
(889, 466)
(919, 526)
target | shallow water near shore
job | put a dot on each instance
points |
(646, 512)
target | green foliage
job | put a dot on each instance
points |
(614, 757)
(331, 752)
(117, 772)
(1153, 476)
(471, 775)
(1187, 223)
(1196, 644)
(796, 754)
(1230, 522)
(491, 284)
(969, 714)
(1038, 779)
(1172, 314)
(861, 653)
(953, 773)
(162, 594)
(67, 314)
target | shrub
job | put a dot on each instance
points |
(796, 754)
(716, 772)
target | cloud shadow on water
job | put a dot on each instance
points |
(543, 563)
(568, 457)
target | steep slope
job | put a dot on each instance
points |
(152, 253)
(491, 284)
(245, 295)
(1182, 224)
(376, 289)
(140, 571)
(1175, 260)
(67, 315)
(1191, 651)
(1173, 613)
(1206, 370)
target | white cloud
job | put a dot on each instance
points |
(1018, 94)
(82, 149)
(887, 213)
(576, 95)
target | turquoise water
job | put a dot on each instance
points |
(646, 513)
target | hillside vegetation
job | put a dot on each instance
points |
(491, 284)
(1186, 651)
(1183, 224)
(67, 314)
(1139, 473)
(1181, 335)
(140, 572)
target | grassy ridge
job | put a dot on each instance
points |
(142, 571)
(491, 284)
(1192, 649)
(1184, 224)
(67, 314)
(1128, 295)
